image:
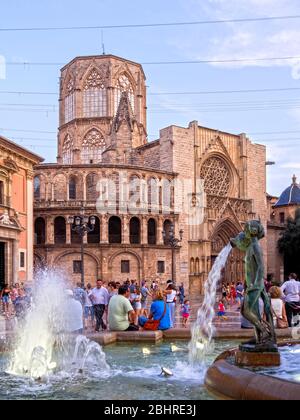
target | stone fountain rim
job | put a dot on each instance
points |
(228, 381)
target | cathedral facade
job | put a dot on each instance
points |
(142, 194)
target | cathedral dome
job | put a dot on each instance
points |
(291, 196)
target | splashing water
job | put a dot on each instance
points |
(203, 329)
(44, 342)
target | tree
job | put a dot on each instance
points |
(289, 244)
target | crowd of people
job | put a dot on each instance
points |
(127, 306)
(15, 300)
(285, 300)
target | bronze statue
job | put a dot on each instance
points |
(248, 241)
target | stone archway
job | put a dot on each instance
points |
(224, 231)
(70, 262)
(124, 266)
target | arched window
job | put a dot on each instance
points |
(168, 230)
(60, 236)
(70, 102)
(72, 188)
(197, 266)
(192, 266)
(151, 232)
(135, 231)
(124, 85)
(67, 152)
(92, 147)
(94, 96)
(115, 230)
(91, 187)
(37, 187)
(40, 231)
(94, 236)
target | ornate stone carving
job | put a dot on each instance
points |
(124, 113)
(67, 151)
(96, 78)
(11, 165)
(70, 86)
(5, 220)
(216, 177)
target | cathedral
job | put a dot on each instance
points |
(157, 209)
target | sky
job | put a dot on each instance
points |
(271, 118)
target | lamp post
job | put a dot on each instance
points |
(82, 225)
(171, 240)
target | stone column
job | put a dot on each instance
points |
(144, 231)
(125, 230)
(84, 188)
(15, 260)
(50, 230)
(68, 234)
(160, 239)
(104, 229)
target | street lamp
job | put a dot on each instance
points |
(174, 242)
(82, 225)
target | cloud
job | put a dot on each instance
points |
(249, 40)
(292, 165)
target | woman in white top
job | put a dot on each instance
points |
(171, 294)
(137, 303)
(280, 318)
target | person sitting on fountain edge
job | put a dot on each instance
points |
(121, 315)
(74, 314)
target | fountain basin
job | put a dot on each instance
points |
(228, 381)
(134, 375)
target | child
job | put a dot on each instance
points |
(221, 313)
(185, 313)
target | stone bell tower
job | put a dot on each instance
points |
(102, 110)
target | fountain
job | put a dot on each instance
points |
(233, 374)
(44, 341)
(203, 329)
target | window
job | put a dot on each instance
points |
(72, 188)
(125, 267)
(94, 96)
(36, 186)
(22, 259)
(40, 231)
(77, 267)
(70, 102)
(94, 236)
(115, 230)
(151, 232)
(135, 231)
(67, 152)
(60, 235)
(282, 218)
(124, 85)
(92, 147)
(160, 267)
